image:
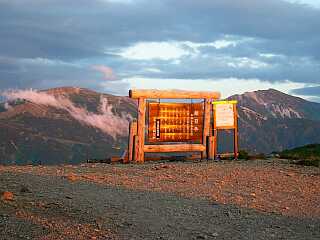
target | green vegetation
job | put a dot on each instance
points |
(308, 155)
(243, 155)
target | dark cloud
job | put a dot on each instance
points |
(313, 93)
(74, 35)
(309, 91)
(45, 73)
(73, 29)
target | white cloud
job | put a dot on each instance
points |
(227, 87)
(245, 62)
(154, 50)
(46, 61)
(153, 70)
(170, 50)
(313, 3)
(118, 1)
(270, 55)
(216, 44)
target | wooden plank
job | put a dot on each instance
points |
(141, 129)
(211, 147)
(115, 159)
(153, 93)
(206, 126)
(175, 148)
(225, 155)
(132, 133)
(172, 158)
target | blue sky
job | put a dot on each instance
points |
(114, 45)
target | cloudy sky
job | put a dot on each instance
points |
(114, 45)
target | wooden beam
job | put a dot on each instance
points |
(153, 93)
(206, 125)
(141, 129)
(132, 133)
(135, 149)
(211, 148)
(175, 148)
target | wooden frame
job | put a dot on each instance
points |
(234, 128)
(172, 94)
(137, 147)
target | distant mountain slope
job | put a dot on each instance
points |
(32, 133)
(273, 121)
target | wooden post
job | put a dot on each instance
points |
(215, 133)
(132, 133)
(206, 126)
(141, 130)
(211, 147)
(236, 143)
(135, 149)
(215, 143)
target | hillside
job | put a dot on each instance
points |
(305, 155)
(270, 120)
(38, 133)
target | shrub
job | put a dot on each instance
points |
(243, 154)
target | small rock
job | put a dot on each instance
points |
(201, 237)
(7, 196)
(229, 214)
(71, 178)
(24, 189)
(165, 166)
(215, 234)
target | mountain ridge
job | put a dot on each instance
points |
(269, 120)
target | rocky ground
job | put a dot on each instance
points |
(266, 199)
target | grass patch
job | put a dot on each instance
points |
(308, 155)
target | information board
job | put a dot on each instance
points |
(175, 122)
(224, 115)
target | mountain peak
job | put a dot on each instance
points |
(272, 103)
(63, 90)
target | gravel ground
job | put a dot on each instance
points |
(77, 202)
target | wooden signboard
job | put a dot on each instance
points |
(175, 122)
(171, 122)
(225, 117)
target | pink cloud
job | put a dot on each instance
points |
(107, 72)
(105, 120)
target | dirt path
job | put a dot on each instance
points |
(78, 203)
(268, 186)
